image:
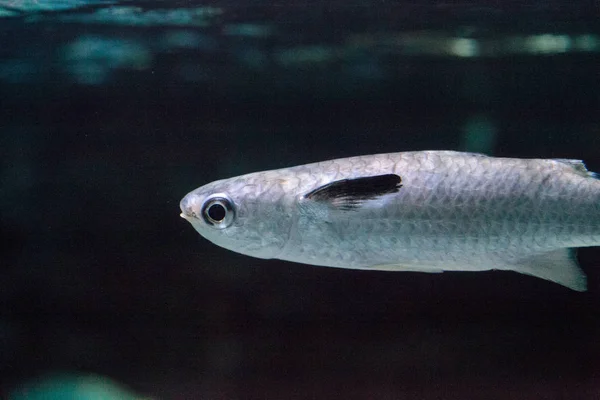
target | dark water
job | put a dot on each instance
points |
(111, 111)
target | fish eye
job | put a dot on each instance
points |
(218, 211)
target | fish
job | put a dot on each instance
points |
(419, 211)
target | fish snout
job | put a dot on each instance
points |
(187, 206)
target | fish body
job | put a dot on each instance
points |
(428, 211)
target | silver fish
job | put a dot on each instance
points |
(427, 211)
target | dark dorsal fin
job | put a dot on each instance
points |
(348, 194)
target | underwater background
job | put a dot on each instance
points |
(111, 111)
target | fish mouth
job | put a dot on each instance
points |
(185, 205)
(187, 215)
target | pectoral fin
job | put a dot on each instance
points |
(558, 266)
(349, 194)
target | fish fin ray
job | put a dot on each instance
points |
(349, 194)
(559, 266)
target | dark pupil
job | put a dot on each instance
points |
(216, 212)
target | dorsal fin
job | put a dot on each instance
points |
(578, 166)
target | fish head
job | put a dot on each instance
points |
(241, 214)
